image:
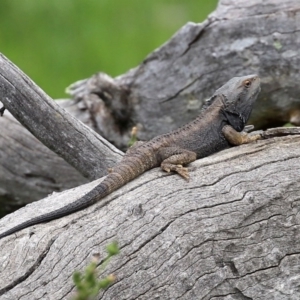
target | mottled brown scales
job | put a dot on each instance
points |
(218, 126)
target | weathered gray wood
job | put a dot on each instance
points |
(169, 87)
(239, 38)
(88, 152)
(29, 171)
(231, 232)
(276, 132)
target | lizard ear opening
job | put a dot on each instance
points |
(209, 102)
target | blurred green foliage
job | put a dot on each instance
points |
(60, 41)
(87, 283)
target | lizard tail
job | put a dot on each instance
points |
(129, 169)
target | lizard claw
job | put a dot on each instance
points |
(184, 172)
(176, 168)
(168, 170)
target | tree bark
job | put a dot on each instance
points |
(28, 169)
(88, 152)
(231, 232)
(168, 90)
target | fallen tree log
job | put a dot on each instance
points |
(231, 232)
(169, 87)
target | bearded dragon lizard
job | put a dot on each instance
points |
(219, 126)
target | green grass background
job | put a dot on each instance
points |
(60, 41)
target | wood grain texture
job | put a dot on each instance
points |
(52, 125)
(169, 87)
(29, 170)
(231, 232)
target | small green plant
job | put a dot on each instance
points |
(87, 284)
(133, 137)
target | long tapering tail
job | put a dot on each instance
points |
(130, 168)
(79, 204)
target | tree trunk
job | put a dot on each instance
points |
(166, 91)
(231, 232)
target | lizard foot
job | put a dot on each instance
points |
(252, 137)
(184, 172)
(176, 168)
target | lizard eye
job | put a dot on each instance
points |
(247, 83)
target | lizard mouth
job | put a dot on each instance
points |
(255, 93)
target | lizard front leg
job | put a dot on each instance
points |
(173, 159)
(238, 138)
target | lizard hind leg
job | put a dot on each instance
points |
(174, 158)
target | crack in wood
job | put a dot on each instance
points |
(30, 270)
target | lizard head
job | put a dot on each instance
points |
(239, 95)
